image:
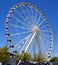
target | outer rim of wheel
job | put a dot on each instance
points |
(40, 12)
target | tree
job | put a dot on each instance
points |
(54, 59)
(18, 57)
(34, 58)
(38, 57)
(4, 55)
(23, 56)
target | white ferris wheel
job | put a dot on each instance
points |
(28, 29)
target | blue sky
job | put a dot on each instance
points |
(49, 8)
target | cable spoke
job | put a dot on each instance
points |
(38, 44)
(44, 31)
(41, 22)
(28, 11)
(18, 44)
(42, 27)
(22, 40)
(46, 41)
(42, 45)
(33, 46)
(24, 44)
(17, 26)
(20, 13)
(30, 18)
(38, 20)
(19, 20)
(30, 41)
(31, 12)
(23, 11)
(36, 16)
(45, 35)
(20, 33)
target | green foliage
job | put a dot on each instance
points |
(4, 55)
(18, 57)
(27, 57)
(23, 56)
(41, 58)
(54, 59)
(38, 58)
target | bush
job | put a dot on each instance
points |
(4, 55)
(54, 59)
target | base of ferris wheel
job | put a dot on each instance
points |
(32, 63)
(25, 62)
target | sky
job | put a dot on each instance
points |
(49, 8)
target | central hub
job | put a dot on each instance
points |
(34, 29)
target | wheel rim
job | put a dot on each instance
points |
(22, 21)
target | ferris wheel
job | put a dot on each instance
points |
(28, 29)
